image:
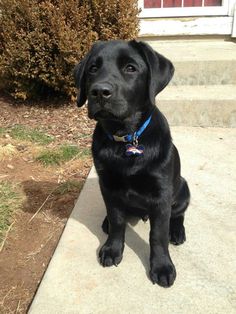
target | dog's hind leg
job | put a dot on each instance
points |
(181, 202)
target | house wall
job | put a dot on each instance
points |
(190, 25)
(234, 24)
(186, 26)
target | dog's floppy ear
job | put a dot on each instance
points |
(79, 75)
(160, 69)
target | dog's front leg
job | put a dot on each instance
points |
(162, 269)
(111, 252)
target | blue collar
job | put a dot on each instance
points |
(130, 138)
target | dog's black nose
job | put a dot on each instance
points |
(101, 91)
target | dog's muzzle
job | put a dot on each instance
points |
(101, 92)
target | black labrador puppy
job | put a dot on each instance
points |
(137, 163)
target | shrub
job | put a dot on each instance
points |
(41, 41)
(114, 19)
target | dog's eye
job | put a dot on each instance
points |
(93, 69)
(130, 68)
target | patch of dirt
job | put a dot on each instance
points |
(31, 240)
(64, 122)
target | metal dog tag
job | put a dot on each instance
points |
(132, 150)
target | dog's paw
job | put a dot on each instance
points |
(177, 235)
(110, 255)
(164, 275)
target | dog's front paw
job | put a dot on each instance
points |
(163, 275)
(111, 254)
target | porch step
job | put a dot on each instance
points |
(195, 105)
(200, 62)
(205, 72)
(195, 49)
(203, 89)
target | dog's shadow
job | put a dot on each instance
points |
(92, 219)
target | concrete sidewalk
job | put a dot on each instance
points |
(206, 264)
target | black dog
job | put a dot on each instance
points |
(137, 163)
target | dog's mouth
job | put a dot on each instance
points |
(104, 115)
(104, 110)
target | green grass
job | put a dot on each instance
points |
(10, 200)
(69, 186)
(2, 131)
(22, 133)
(85, 152)
(60, 155)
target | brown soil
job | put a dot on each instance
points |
(30, 243)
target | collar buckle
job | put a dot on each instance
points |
(120, 138)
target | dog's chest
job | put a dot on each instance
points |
(132, 190)
(130, 184)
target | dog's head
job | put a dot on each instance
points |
(120, 78)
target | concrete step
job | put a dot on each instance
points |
(75, 282)
(204, 72)
(200, 62)
(210, 105)
(203, 90)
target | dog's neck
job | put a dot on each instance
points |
(126, 126)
